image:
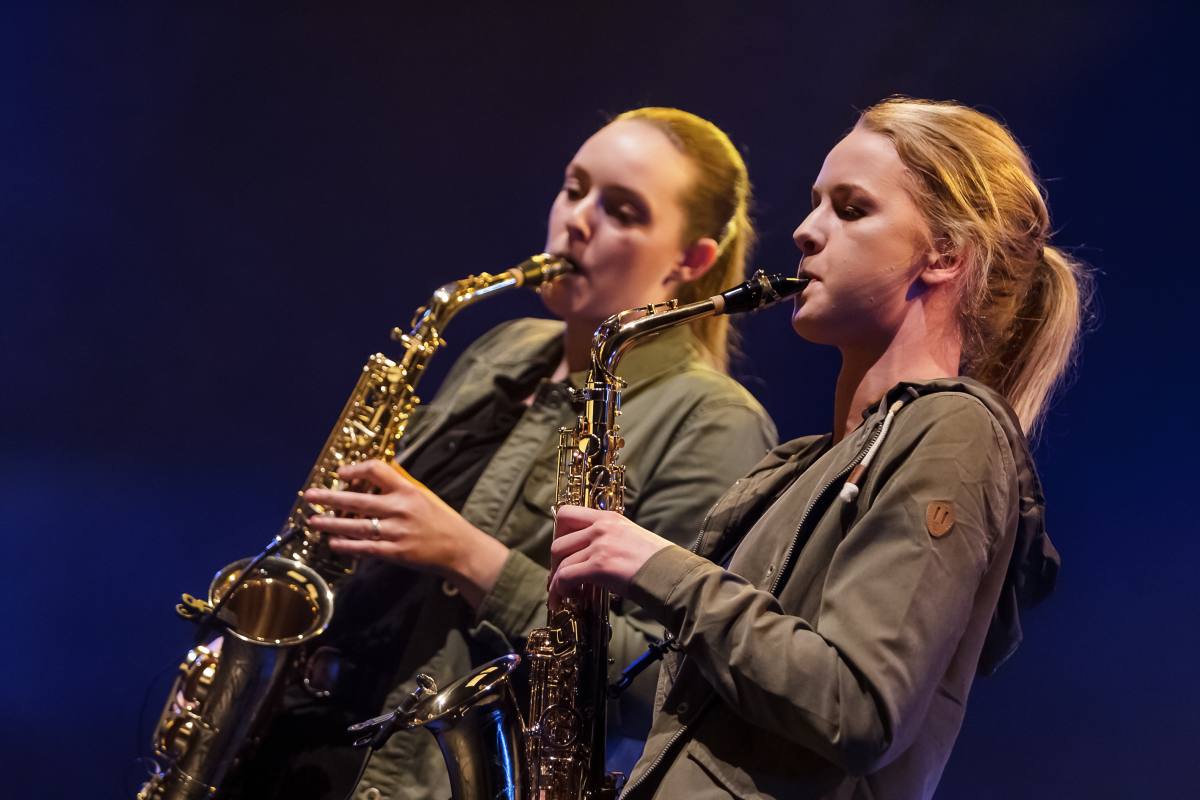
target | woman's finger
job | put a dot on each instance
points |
(568, 543)
(356, 547)
(572, 518)
(571, 560)
(568, 577)
(354, 527)
(555, 586)
(379, 474)
(361, 503)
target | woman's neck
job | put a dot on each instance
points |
(913, 354)
(577, 345)
(576, 356)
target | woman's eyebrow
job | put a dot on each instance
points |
(843, 188)
(630, 192)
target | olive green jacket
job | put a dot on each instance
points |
(834, 657)
(689, 432)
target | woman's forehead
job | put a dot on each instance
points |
(863, 158)
(637, 155)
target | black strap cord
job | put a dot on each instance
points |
(656, 650)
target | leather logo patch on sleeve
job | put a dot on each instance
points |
(939, 518)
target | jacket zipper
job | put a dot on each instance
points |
(662, 754)
(787, 558)
(695, 548)
(790, 553)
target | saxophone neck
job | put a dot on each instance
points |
(445, 302)
(620, 332)
(617, 334)
(450, 298)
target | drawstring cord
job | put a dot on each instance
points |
(850, 488)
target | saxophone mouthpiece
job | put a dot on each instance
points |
(760, 291)
(539, 270)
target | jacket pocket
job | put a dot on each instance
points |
(745, 761)
(537, 494)
(724, 777)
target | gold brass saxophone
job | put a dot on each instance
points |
(259, 610)
(490, 750)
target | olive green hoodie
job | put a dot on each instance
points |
(834, 657)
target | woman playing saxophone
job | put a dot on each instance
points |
(834, 611)
(456, 538)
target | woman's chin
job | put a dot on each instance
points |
(568, 306)
(810, 329)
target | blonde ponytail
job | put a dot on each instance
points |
(1028, 364)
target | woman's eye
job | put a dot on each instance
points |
(572, 190)
(626, 214)
(851, 212)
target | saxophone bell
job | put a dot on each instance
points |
(266, 607)
(480, 731)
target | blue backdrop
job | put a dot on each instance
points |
(210, 217)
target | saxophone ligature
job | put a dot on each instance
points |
(556, 751)
(261, 610)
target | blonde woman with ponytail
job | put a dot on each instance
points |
(652, 206)
(839, 602)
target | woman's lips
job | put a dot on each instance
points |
(804, 292)
(580, 270)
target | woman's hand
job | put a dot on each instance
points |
(408, 524)
(598, 547)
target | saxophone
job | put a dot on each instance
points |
(261, 609)
(490, 750)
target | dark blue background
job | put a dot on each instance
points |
(211, 216)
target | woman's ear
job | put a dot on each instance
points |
(946, 263)
(696, 260)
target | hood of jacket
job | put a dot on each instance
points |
(1033, 568)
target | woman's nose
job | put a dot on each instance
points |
(807, 236)
(579, 220)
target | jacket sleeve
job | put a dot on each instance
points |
(716, 445)
(855, 685)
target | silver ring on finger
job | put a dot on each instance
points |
(376, 532)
